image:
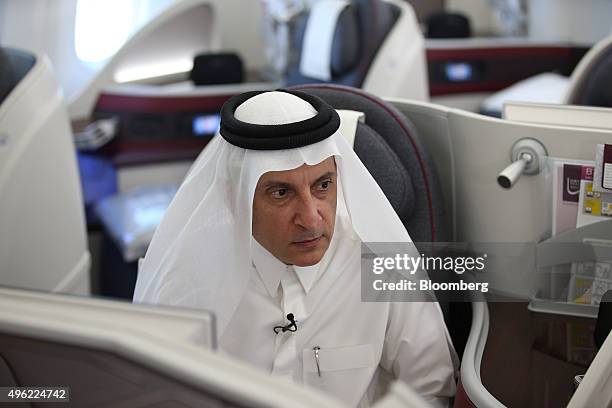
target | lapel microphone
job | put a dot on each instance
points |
(292, 326)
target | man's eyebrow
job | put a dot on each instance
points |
(283, 184)
(276, 184)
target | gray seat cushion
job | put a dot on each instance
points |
(595, 88)
(386, 168)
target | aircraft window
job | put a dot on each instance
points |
(101, 27)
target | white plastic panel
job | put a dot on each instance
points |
(400, 68)
(560, 115)
(469, 151)
(172, 343)
(42, 222)
(595, 390)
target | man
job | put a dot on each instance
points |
(268, 224)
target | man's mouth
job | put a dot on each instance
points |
(308, 243)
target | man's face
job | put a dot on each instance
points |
(294, 212)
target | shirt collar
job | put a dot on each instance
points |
(271, 269)
(307, 275)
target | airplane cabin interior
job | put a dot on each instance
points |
(487, 124)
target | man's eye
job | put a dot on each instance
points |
(280, 193)
(325, 184)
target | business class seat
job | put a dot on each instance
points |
(588, 85)
(591, 80)
(375, 45)
(42, 223)
(357, 37)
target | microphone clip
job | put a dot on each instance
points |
(292, 326)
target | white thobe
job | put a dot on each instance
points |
(363, 345)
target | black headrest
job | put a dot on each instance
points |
(216, 68)
(346, 44)
(448, 25)
(14, 65)
(361, 29)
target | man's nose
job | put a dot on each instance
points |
(308, 215)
